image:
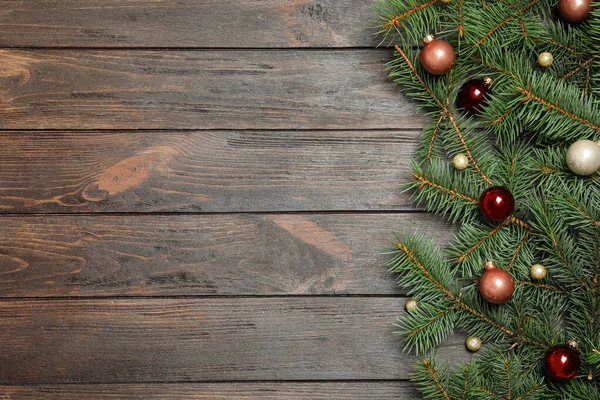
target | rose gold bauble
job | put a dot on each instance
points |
(575, 10)
(437, 57)
(496, 285)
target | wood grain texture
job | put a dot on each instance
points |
(230, 254)
(173, 340)
(214, 171)
(358, 390)
(237, 89)
(187, 23)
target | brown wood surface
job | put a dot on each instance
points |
(235, 89)
(214, 171)
(186, 23)
(228, 254)
(172, 340)
(390, 390)
(197, 195)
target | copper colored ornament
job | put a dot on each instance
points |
(496, 285)
(575, 10)
(437, 57)
(562, 362)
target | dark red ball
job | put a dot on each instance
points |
(473, 95)
(561, 362)
(496, 203)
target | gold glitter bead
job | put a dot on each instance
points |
(545, 59)
(460, 162)
(411, 305)
(538, 271)
(473, 343)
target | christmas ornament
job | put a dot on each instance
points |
(460, 162)
(538, 271)
(446, 1)
(437, 57)
(575, 10)
(473, 343)
(496, 203)
(545, 59)
(411, 305)
(562, 362)
(472, 94)
(583, 157)
(496, 285)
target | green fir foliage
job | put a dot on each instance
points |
(518, 140)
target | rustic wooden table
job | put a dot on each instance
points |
(196, 195)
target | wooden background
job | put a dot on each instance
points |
(196, 195)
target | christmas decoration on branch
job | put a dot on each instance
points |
(512, 154)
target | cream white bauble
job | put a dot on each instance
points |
(583, 157)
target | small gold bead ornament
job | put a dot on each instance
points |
(411, 305)
(545, 59)
(538, 271)
(473, 343)
(460, 162)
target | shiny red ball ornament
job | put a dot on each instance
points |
(575, 10)
(472, 94)
(562, 362)
(496, 285)
(496, 203)
(437, 57)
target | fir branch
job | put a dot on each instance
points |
(561, 46)
(395, 20)
(411, 256)
(460, 18)
(585, 65)
(431, 370)
(503, 22)
(491, 233)
(508, 379)
(518, 250)
(419, 78)
(529, 393)
(541, 285)
(468, 150)
(519, 222)
(453, 193)
(530, 96)
(434, 136)
(430, 321)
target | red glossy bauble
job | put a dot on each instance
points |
(496, 285)
(561, 362)
(575, 10)
(472, 94)
(437, 57)
(496, 203)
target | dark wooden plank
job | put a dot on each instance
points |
(187, 23)
(393, 390)
(239, 254)
(171, 340)
(214, 171)
(238, 89)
